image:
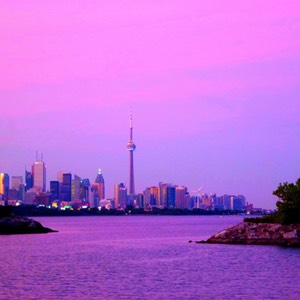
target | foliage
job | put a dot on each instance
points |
(273, 218)
(5, 211)
(289, 204)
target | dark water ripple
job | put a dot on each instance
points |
(148, 257)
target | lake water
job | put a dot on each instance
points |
(143, 257)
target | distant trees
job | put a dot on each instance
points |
(5, 211)
(289, 204)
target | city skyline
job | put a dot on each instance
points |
(66, 189)
(70, 191)
(214, 89)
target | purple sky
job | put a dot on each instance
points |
(214, 87)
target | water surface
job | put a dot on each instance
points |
(143, 257)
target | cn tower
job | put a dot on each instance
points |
(131, 148)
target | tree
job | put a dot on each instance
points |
(289, 204)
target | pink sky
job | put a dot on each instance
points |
(214, 87)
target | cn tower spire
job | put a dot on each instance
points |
(131, 147)
(130, 126)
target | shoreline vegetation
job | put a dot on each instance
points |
(280, 228)
(34, 211)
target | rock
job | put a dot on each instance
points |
(258, 234)
(275, 227)
(201, 242)
(21, 225)
(290, 234)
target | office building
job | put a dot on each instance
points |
(28, 180)
(4, 187)
(163, 188)
(39, 175)
(171, 196)
(54, 190)
(182, 201)
(16, 181)
(66, 188)
(101, 186)
(141, 200)
(17, 184)
(85, 189)
(120, 192)
(227, 202)
(76, 184)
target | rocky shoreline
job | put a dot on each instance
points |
(21, 225)
(248, 233)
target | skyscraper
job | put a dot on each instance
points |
(4, 187)
(100, 181)
(171, 196)
(16, 181)
(54, 190)
(39, 175)
(131, 147)
(85, 189)
(66, 187)
(152, 196)
(28, 180)
(163, 188)
(17, 184)
(120, 195)
(167, 194)
(182, 197)
(76, 183)
(98, 189)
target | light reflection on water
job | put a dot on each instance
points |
(143, 257)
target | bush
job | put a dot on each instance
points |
(273, 218)
(288, 205)
(5, 211)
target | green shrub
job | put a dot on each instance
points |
(288, 205)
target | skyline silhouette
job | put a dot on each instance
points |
(214, 88)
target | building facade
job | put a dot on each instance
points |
(4, 187)
(101, 185)
(120, 193)
(39, 175)
(66, 188)
(28, 180)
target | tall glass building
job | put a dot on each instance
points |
(39, 175)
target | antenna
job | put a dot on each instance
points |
(130, 123)
(131, 148)
(36, 155)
